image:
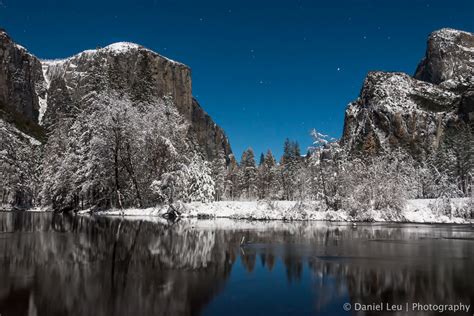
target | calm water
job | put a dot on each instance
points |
(73, 265)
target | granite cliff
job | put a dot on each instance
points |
(395, 110)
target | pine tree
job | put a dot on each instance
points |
(219, 173)
(248, 175)
(268, 185)
(232, 180)
(290, 165)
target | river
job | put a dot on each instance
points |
(86, 265)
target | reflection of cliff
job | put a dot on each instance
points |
(57, 272)
(63, 265)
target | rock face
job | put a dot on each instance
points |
(449, 56)
(43, 91)
(20, 75)
(21, 85)
(126, 68)
(395, 110)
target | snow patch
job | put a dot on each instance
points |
(415, 211)
(115, 49)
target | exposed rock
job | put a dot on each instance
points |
(145, 76)
(21, 85)
(39, 92)
(209, 135)
(35, 94)
(449, 56)
(395, 110)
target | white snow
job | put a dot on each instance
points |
(114, 48)
(20, 47)
(121, 47)
(449, 34)
(430, 211)
(415, 211)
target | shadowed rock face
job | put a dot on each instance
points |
(395, 110)
(20, 79)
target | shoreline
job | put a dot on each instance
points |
(418, 211)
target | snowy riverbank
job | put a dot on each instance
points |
(456, 211)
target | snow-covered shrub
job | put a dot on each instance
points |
(190, 182)
(297, 212)
(371, 184)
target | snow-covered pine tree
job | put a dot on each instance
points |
(232, 180)
(269, 173)
(248, 175)
(290, 165)
(219, 173)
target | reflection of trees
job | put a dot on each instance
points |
(64, 266)
(373, 263)
(248, 258)
(58, 273)
(293, 263)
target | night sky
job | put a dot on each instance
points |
(263, 69)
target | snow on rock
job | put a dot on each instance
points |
(449, 55)
(395, 110)
(121, 47)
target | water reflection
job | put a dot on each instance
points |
(73, 265)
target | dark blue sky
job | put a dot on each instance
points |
(263, 69)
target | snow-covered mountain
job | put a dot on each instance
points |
(42, 90)
(395, 110)
(65, 103)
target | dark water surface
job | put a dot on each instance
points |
(75, 265)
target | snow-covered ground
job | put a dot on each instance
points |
(416, 211)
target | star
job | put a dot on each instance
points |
(201, 19)
(338, 68)
(261, 82)
(365, 37)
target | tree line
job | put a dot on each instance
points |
(115, 155)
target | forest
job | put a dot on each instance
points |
(115, 156)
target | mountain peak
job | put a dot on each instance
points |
(122, 48)
(449, 33)
(449, 56)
